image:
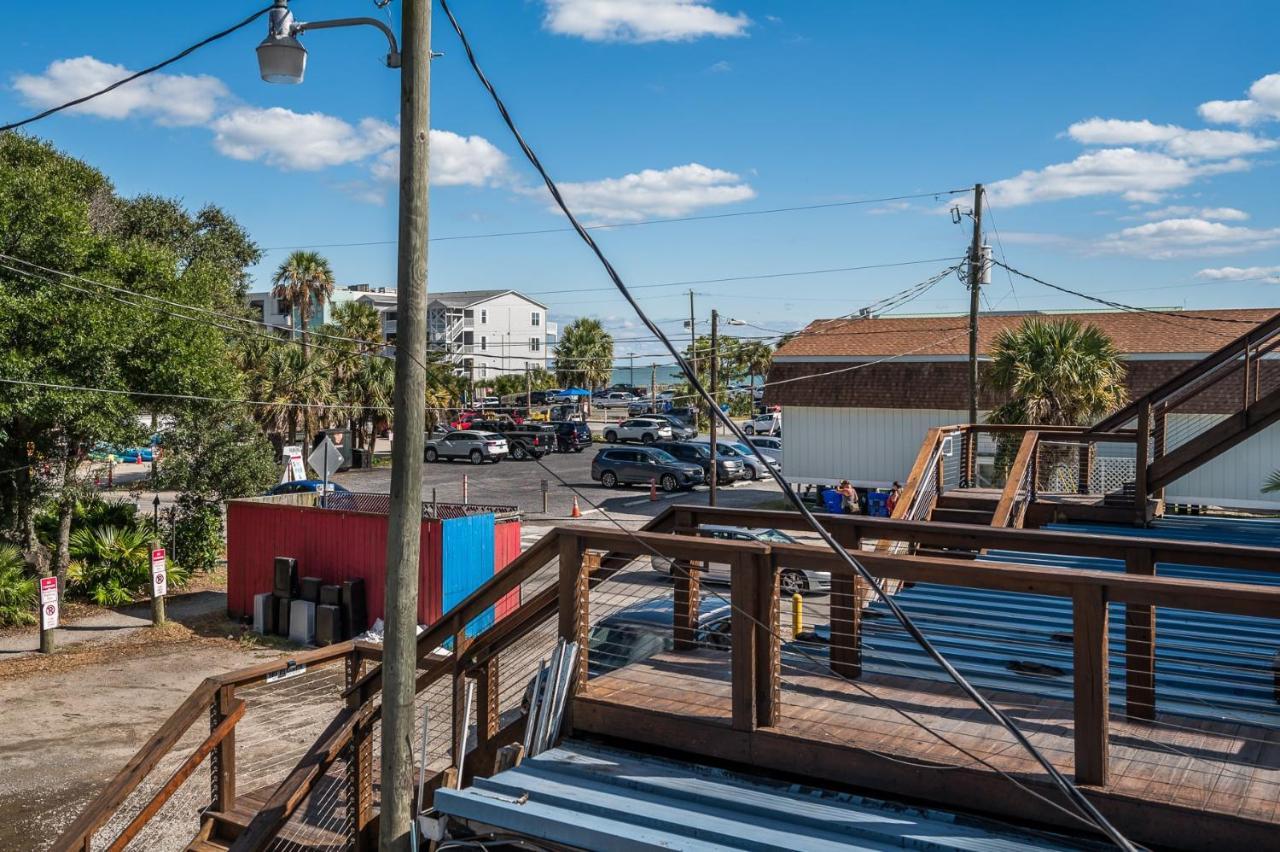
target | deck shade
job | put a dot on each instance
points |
(337, 545)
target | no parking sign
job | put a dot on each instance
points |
(48, 603)
(159, 577)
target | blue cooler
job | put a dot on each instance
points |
(878, 504)
(832, 501)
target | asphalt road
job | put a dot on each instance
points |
(520, 484)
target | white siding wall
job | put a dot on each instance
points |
(508, 330)
(874, 446)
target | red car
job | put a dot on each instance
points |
(463, 420)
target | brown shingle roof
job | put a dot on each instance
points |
(1132, 333)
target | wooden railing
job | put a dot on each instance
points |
(587, 556)
(1019, 487)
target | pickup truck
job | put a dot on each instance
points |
(524, 440)
(617, 399)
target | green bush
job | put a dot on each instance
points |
(91, 512)
(111, 566)
(17, 589)
(197, 535)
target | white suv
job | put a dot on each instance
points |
(764, 424)
(643, 429)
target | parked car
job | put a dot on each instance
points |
(727, 470)
(680, 430)
(755, 470)
(644, 407)
(463, 419)
(305, 486)
(524, 440)
(790, 581)
(646, 430)
(624, 466)
(472, 444)
(572, 436)
(637, 632)
(685, 413)
(769, 423)
(771, 446)
(614, 399)
(488, 402)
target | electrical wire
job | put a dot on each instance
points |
(189, 397)
(1069, 789)
(134, 76)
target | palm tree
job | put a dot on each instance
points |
(584, 355)
(291, 382)
(1056, 372)
(754, 358)
(359, 321)
(368, 390)
(303, 278)
(18, 599)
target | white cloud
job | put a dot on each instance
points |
(1188, 237)
(1136, 175)
(299, 141)
(170, 99)
(1219, 214)
(1262, 104)
(656, 193)
(456, 160)
(1270, 274)
(721, 67)
(641, 21)
(1178, 141)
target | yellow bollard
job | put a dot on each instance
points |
(797, 615)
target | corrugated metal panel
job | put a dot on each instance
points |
(467, 554)
(863, 445)
(506, 547)
(590, 797)
(1207, 664)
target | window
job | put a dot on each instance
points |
(484, 316)
(467, 314)
(282, 307)
(484, 343)
(484, 371)
(391, 316)
(468, 338)
(535, 319)
(535, 344)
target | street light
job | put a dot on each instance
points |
(283, 59)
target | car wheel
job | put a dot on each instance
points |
(611, 437)
(578, 449)
(750, 472)
(609, 479)
(432, 455)
(669, 482)
(792, 582)
(518, 453)
(748, 429)
(646, 438)
(476, 457)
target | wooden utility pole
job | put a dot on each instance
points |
(404, 526)
(693, 337)
(975, 284)
(528, 389)
(653, 387)
(715, 399)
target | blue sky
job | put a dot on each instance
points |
(1130, 149)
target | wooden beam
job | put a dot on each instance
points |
(1140, 645)
(743, 593)
(1142, 472)
(1017, 471)
(487, 707)
(687, 599)
(846, 627)
(918, 469)
(222, 766)
(575, 614)
(1091, 675)
(768, 643)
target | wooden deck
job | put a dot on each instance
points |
(1180, 783)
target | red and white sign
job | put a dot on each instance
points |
(159, 576)
(48, 603)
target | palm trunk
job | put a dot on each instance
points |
(66, 511)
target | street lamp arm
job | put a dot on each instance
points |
(393, 57)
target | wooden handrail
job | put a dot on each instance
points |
(183, 772)
(194, 708)
(918, 470)
(1014, 479)
(268, 821)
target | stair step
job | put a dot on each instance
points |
(969, 500)
(208, 846)
(962, 516)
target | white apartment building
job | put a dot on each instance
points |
(483, 333)
(487, 333)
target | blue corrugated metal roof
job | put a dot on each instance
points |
(592, 797)
(1208, 665)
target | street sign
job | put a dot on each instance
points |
(325, 459)
(48, 603)
(159, 576)
(293, 466)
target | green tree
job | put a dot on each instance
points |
(754, 358)
(517, 383)
(112, 565)
(215, 455)
(1056, 372)
(584, 354)
(303, 280)
(17, 588)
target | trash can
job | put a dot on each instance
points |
(833, 501)
(878, 504)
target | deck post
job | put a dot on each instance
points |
(1159, 431)
(1141, 471)
(458, 695)
(1089, 616)
(359, 762)
(1084, 467)
(487, 703)
(1140, 644)
(969, 453)
(768, 641)
(575, 577)
(687, 604)
(846, 626)
(743, 594)
(222, 761)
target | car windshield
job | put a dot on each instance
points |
(774, 535)
(614, 646)
(727, 450)
(663, 457)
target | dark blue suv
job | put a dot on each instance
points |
(572, 436)
(640, 465)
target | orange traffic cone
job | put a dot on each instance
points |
(653, 490)
(576, 513)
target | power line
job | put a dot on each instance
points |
(134, 76)
(190, 397)
(1070, 790)
(644, 222)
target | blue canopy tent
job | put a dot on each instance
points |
(574, 392)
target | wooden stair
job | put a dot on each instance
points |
(966, 506)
